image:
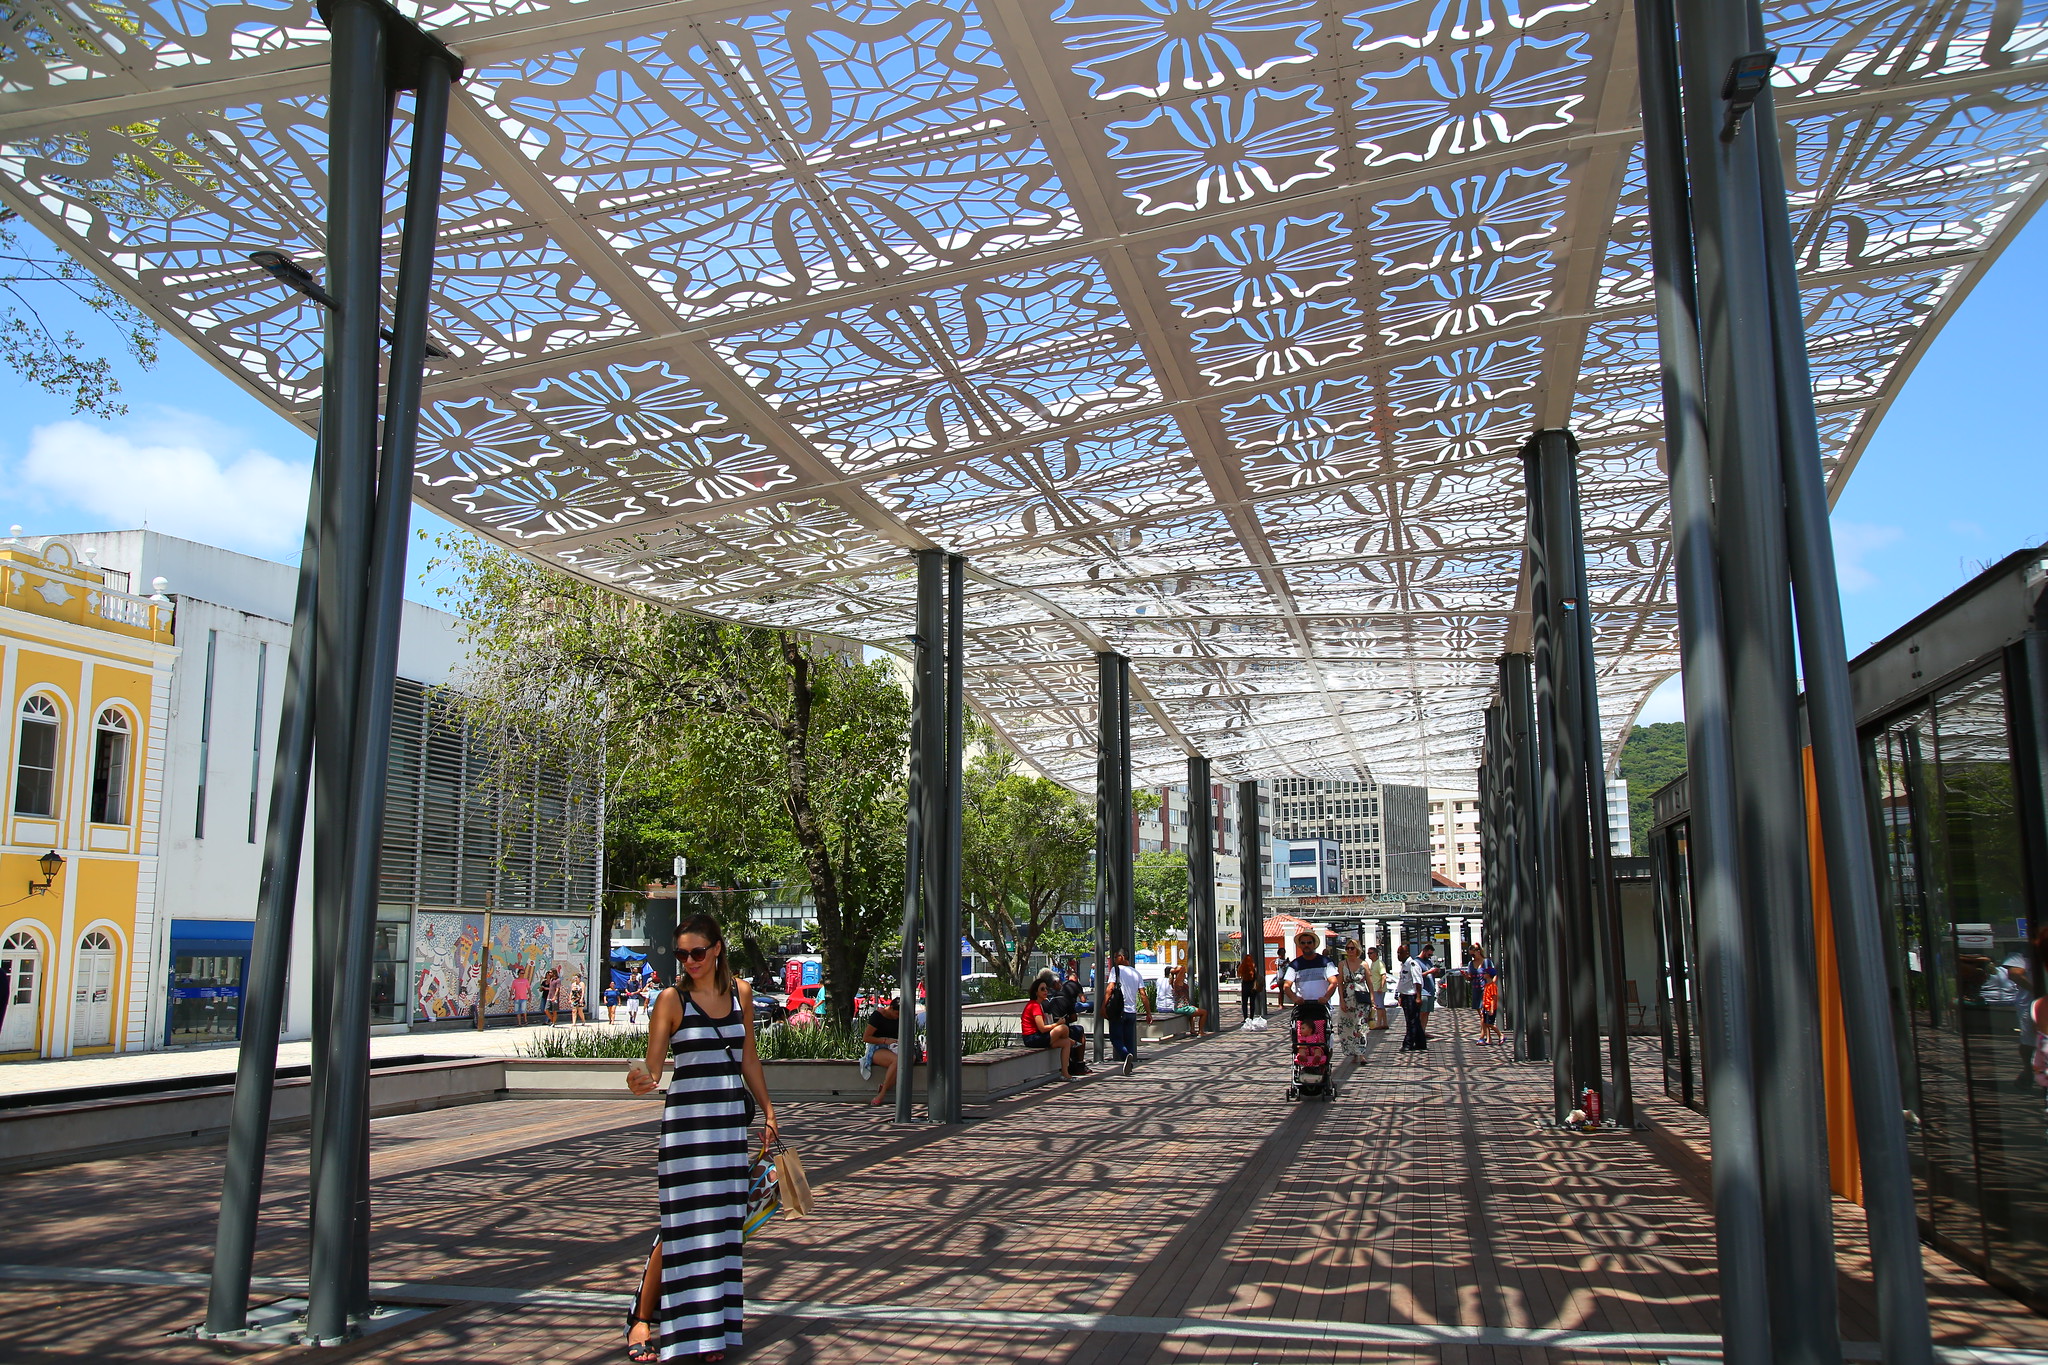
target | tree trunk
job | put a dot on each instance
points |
(842, 977)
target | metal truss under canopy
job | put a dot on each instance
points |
(1208, 329)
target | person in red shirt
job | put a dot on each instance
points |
(1040, 1029)
(1489, 1005)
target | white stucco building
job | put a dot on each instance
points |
(447, 859)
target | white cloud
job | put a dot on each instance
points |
(180, 474)
(1853, 541)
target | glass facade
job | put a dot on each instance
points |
(1952, 719)
(1965, 973)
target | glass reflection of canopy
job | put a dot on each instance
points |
(1209, 329)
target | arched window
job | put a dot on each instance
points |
(110, 768)
(35, 759)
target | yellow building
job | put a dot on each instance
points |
(86, 676)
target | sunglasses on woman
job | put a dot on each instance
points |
(693, 954)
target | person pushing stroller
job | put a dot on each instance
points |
(1307, 980)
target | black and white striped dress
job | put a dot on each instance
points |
(703, 1177)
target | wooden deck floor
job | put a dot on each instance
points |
(1113, 1221)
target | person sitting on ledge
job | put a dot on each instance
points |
(881, 1033)
(1040, 1030)
(1173, 999)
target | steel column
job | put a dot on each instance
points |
(1555, 549)
(1721, 983)
(1202, 889)
(1904, 1333)
(1127, 834)
(376, 683)
(358, 127)
(1621, 1108)
(1251, 889)
(1487, 784)
(1748, 491)
(942, 952)
(1531, 878)
(1105, 832)
(928, 741)
(270, 950)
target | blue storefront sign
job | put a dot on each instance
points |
(208, 969)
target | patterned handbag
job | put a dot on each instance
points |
(775, 1184)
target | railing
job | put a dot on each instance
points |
(126, 609)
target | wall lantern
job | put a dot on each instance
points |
(52, 863)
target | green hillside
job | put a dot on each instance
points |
(1653, 755)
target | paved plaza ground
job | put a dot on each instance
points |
(1187, 1213)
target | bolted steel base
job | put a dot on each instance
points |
(282, 1322)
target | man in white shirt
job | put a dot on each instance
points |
(1408, 989)
(1119, 1008)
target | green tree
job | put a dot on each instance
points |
(1027, 845)
(1159, 887)
(758, 754)
(1651, 758)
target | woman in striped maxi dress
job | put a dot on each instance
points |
(691, 1301)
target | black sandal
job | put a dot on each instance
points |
(640, 1352)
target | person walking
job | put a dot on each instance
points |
(579, 993)
(1354, 999)
(1376, 989)
(1432, 981)
(636, 994)
(1408, 992)
(1248, 970)
(1489, 1006)
(522, 993)
(692, 1296)
(551, 995)
(1119, 1010)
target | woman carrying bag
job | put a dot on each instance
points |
(691, 1300)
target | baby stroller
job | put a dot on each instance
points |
(1311, 1053)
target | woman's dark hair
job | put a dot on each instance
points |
(1038, 984)
(706, 928)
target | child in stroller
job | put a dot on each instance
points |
(1307, 980)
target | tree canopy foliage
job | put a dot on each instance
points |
(1159, 888)
(1651, 757)
(765, 758)
(1027, 848)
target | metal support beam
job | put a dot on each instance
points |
(1621, 1106)
(1904, 1333)
(942, 948)
(1105, 829)
(270, 950)
(1251, 889)
(1730, 267)
(376, 682)
(1722, 989)
(1531, 879)
(358, 128)
(1492, 817)
(927, 787)
(928, 731)
(1124, 928)
(1202, 890)
(1556, 550)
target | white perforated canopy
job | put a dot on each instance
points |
(1208, 329)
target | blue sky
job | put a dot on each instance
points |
(1953, 479)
